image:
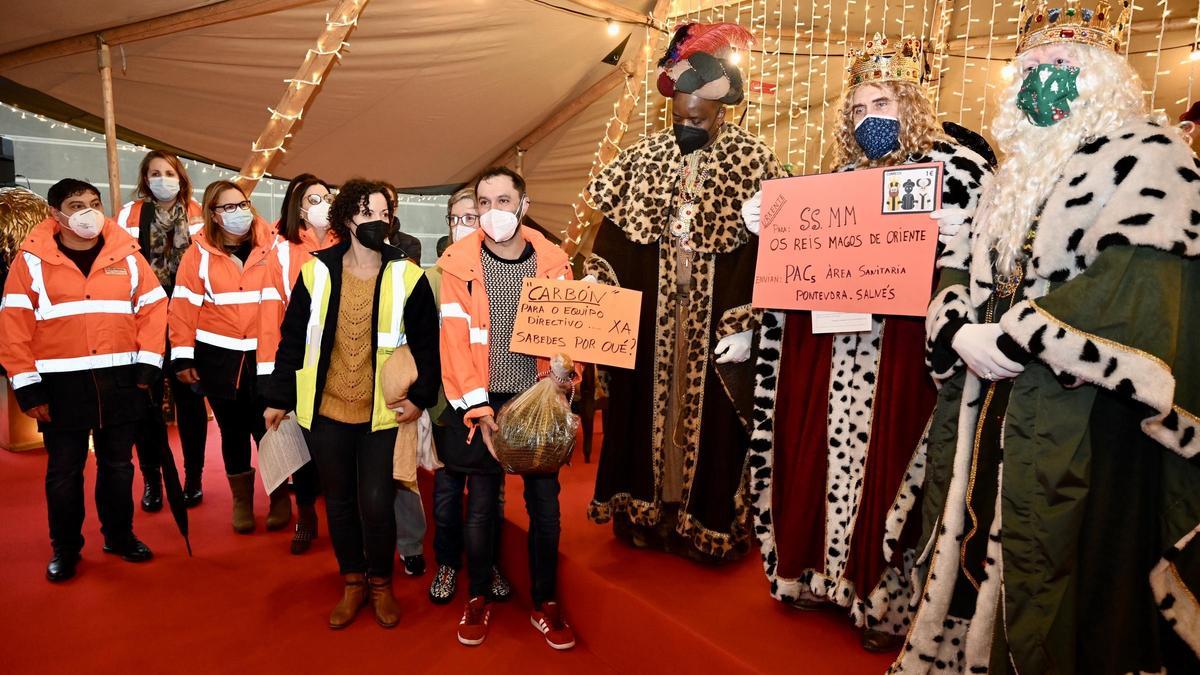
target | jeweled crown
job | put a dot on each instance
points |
(881, 60)
(1071, 23)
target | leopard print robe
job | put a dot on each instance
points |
(636, 195)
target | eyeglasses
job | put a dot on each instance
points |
(313, 200)
(470, 220)
(230, 208)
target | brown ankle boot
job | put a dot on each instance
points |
(242, 487)
(280, 513)
(353, 599)
(387, 613)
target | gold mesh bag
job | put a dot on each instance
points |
(537, 429)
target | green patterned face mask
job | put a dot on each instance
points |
(1047, 92)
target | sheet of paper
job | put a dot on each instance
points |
(591, 323)
(281, 452)
(840, 322)
(858, 241)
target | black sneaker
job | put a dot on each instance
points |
(500, 590)
(445, 583)
(414, 565)
(130, 550)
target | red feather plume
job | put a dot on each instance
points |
(714, 37)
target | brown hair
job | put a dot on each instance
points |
(919, 128)
(290, 222)
(142, 191)
(211, 230)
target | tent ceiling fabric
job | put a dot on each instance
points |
(423, 95)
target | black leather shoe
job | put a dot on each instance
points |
(132, 550)
(193, 494)
(152, 496)
(62, 566)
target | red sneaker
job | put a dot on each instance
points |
(550, 622)
(473, 627)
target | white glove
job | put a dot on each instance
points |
(734, 348)
(976, 344)
(949, 222)
(591, 279)
(752, 211)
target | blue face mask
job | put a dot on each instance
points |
(878, 136)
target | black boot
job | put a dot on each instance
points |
(130, 548)
(152, 496)
(193, 492)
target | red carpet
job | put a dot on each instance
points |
(244, 604)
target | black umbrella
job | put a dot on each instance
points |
(170, 476)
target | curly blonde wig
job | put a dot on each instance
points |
(919, 128)
(1110, 95)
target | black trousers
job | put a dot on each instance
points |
(306, 484)
(448, 486)
(355, 469)
(67, 452)
(190, 415)
(541, 503)
(239, 420)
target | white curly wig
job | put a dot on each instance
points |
(1110, 95)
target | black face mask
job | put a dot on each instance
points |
(372, 234)
(690, 139)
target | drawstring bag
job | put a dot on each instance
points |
(537, 429)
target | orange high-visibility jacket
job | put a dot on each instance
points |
(466, 369)
(130, 217)
(283, 268)
(216, 304)
(54, 321)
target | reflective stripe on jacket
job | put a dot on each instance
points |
(465, 317)
(53, 320)
(283, 268)
(131, 216)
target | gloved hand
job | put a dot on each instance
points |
(752, 211)
(950, 220)
(976, 344)
(734, 348)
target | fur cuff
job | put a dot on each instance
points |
(951, 307)
(738, 320)
(1127, 371)
(599, 268)
(1176, 601)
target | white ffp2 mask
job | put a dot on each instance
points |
(86, 223)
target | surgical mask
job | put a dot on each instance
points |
(372, 234)
(878, 136)
(86, 223)
(462, 232)
(499, 224)
(1046, 94)
(689, 139)
(318, 216)
(164, 188)
(238, 222)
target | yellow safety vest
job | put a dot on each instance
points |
(399, 279)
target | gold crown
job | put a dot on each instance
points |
(882, 61)
(1096, 27)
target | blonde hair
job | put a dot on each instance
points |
(462, 195)
(1110, 95)
(919, 128)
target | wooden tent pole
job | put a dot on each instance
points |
(199, 17)
(582, 230)
(301, 89)
(110, 126)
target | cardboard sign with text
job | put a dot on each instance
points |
(591, 323)
(857, 241)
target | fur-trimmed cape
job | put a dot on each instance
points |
(1100, 429)
(854, 365)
